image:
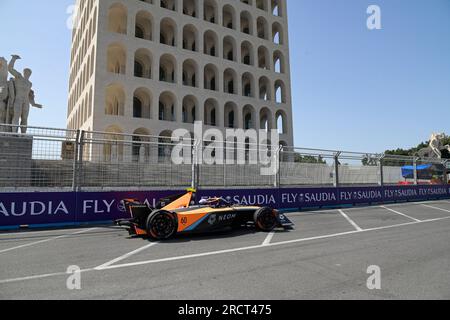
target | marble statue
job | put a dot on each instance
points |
(24, 95)
(3, 90)
(16, 96)
(435, 148)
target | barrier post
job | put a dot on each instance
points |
(336, 169)
(277, 174)
(193, 165)
(380, 171)
(80, 161)
(446, 171)
(415, 171)
(195, 157)
(75, 162)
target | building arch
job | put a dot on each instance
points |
(190, 72)
(277, 8)
(229, 16)
(248, 85)
(230, 82)
(211, 77)
(266, 119)
(210, 11)
(246, 23)
(280, 92)
(140, 149)
(167, 68)
(168, 4)
(168, 32)
(190, 8)
(117, 18)
(167, 106)
(165, 146)
(143, 64)
(277, 34)
(281, 119)
(265, 89)
(190, 105)
(263, 58)
(190, 37)
(113, 147)
(279, 62)
(262, 28)
(262, 5)
(115, 100)
(230, 115)
(116, 58)
(247, 55)
(210, 43)
(249, 117)
(142, 103)
(229, 48)
(211, 109)
(144, 26)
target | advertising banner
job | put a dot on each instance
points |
(18, 209)
(37, 208)
(108, 206)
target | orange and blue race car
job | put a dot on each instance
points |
(179, 214)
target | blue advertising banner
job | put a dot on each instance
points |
(83, 207)
(108, 206)
(37, 208)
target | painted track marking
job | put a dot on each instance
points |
(206, 254)
(268, 238)
(46, 240)
(125, 256)
(353, 223)
(436, 208)
(276, 244)
(400, 213)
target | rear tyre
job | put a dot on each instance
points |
(162, 225)
(265, 219)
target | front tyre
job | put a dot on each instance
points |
(265, 219)
(162, 225)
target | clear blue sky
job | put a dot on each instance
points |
(353, 89)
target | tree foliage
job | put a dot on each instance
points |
(309, 159)
(413, 151)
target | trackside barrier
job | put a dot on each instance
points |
(55, 160)
(69, 208)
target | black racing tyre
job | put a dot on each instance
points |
(266, 219)
(162, 225)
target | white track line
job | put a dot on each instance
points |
(267, 246)
(277, 244)
(24, 233)
(46, 240)
(125, 256)
(268, 239)
(436, 208)
(42, 276)
(399, 213)
(353, 223)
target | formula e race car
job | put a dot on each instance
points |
(179, 214)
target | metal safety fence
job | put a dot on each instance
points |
(46, 159)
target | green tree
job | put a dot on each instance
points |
(308, 159)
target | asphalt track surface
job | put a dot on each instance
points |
(326, 257)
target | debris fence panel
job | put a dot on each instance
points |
(45, 159)
(41, 159)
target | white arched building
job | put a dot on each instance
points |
(153, 66)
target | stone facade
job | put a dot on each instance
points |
(150, 67)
